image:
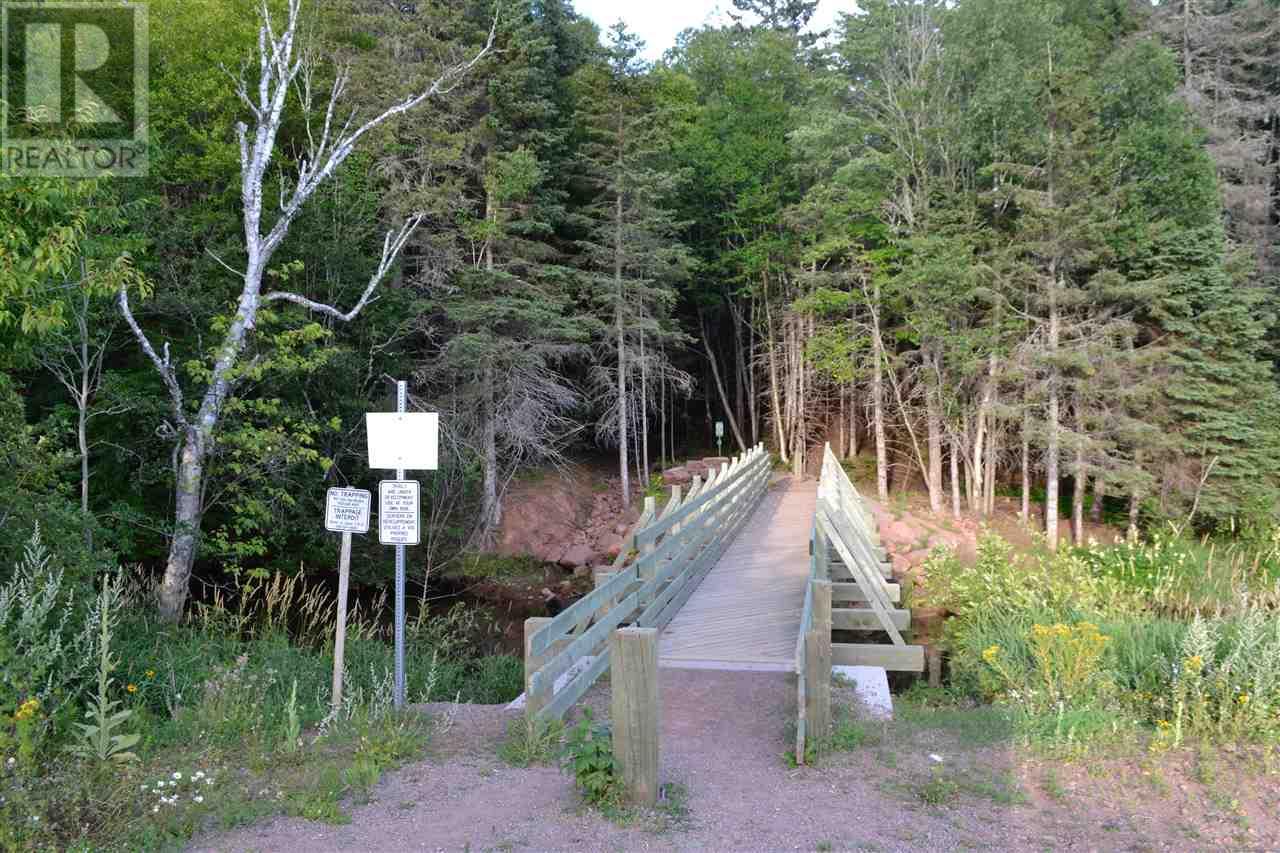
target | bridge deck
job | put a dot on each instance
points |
(746, 612)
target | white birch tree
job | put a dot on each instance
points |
(285, 67)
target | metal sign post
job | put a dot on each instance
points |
(402, 393)
(346, 511)
(401, 441)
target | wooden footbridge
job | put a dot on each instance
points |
(741, 572)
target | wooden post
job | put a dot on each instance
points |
(340, 635)
(633, 657)
(534, 702)
(602, 576)
(817, 655)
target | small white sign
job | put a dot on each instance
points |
(347, 510)
(719, 429)
(398, 512)
(408, 440)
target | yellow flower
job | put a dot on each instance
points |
(1243, 699)
(1164, 724)
(151, 673)
(132, 688)
(989, 653)
(27, 709)
(1195, 662)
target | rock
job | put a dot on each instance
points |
(614, 550)
(678, 476)
(697, 467)
(620, 529)
(577, 555)
(582, 572)
(714, 462)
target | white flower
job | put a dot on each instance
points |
(177, 775)
(937, 758)
(199, 774)
(12, 761)
(209, 780)
(198, 798)
(155, 809)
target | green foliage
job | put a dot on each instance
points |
(998, 582)
(101, 738)
(531, 741)
(588, 757)
(47, 644)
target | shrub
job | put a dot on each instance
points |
(1226, 683)
(588, 755)
(1061, 583)
(47, 647)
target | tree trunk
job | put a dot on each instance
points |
(724, 398)
(933, 420)
(955, 477)
(1053, 439)
(1081, 483)
(1024, 514)
(491, 508)
(775, 393)
(1099, 493)
(644, 414)
(188, 510)
(620, 331)
(877, 404)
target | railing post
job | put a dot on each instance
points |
(534, 701)
(602, 576)
(817, 655)
(633, 657)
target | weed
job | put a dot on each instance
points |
(939, 790)
(588, 755)
(531, 741)
(1052, 785)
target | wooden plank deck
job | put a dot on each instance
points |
(745, 615)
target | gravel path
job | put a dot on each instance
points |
(724, 737)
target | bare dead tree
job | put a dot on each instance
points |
(76, 361)
(284, 66)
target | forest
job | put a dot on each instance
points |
(1027, 248)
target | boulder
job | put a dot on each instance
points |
(678, 476)
(620, 529)
(577, 555)
(714, 462)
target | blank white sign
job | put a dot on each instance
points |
(410, 440)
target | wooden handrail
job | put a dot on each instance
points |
(677, 547)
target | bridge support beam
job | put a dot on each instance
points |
(633, 657)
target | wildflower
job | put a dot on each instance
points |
(151, 673)
(1163, 724)
(198, 798)
(132, 688)
(27, 709)
(1195, 662)
(990, 652)
(1243, 699)
(155, 809)
(177, 775)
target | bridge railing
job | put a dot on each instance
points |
(844, 528)
(673, 550)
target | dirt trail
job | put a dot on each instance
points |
(724, 736)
